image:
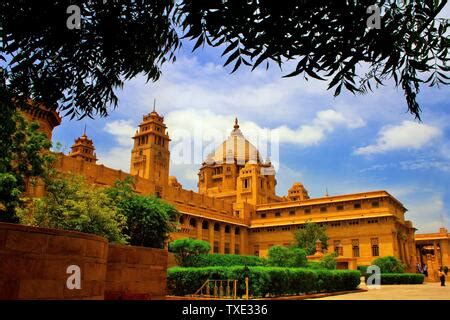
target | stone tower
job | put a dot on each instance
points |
(150, 156)
(84, 149)
(47, 118)
(297, 192)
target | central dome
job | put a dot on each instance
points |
(235, 149)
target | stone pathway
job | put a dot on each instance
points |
(426, 291)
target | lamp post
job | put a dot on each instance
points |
(246, 274)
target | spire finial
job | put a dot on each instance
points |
(84, 132)
(326, 192)
(236, 125)
(154, 105)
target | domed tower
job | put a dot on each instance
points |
(84, 149)
(235, 171)
(47, 118)
(150, 156)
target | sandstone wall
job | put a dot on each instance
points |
(34, 261)
(136, 273)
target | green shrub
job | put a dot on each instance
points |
(314, 265)
(263, 281)
(363, 269)
(402, 278)
(328, 261)
(187, 250)
(280, 256)
(226, 260)
(149, 219)
(389, 264)
(72, 204)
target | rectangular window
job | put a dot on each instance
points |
(375, 247)
(323, 209)
(337, 245)
(307, 210)
(277, 214)
(292, 212)
(236, 249)
(357, 205)
(245, 184)
(256, 251)
(355, 248)
(375, 204)
(216, 246)
(340, 207)
(227, 248)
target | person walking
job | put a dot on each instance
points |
(425, 270)
(419, 267)
(442, 276)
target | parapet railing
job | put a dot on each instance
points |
(218, 289)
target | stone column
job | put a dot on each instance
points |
(408, 257)
(232, 239)
(243, 241)
(211, 235)
(436, 258)
(445, 250)
(419, 254)
(222, 239)
(199, 229)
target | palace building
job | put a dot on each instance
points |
(236, 208)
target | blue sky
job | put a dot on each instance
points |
(343, 145)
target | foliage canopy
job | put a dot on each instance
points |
(24, 159)
(71, 203)
(306, 237)
(149, 220)
(279, 256)
(327, 39)
(185, 249)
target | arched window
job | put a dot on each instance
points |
(205, 225)
(216, 227)
(237, 231)
(227, 229)
(193, 222)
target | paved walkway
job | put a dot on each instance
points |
(426, 291)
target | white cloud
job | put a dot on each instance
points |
(119, 157)
(425, 164)
(325, 121)
(122, 130)
(259, 95)
(427, 214)
(407, 135)
(213, 126)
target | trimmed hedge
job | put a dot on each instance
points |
(402, 278)
(264, 281)
(363, 269)
(225, 260)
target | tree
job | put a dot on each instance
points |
(81, 68)
(307, 236)
(329, 39)
(185, 249)
(328, 261)
(72, 204)
(149, 220)
(389, 264)
(24, 158)
(280, 256)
